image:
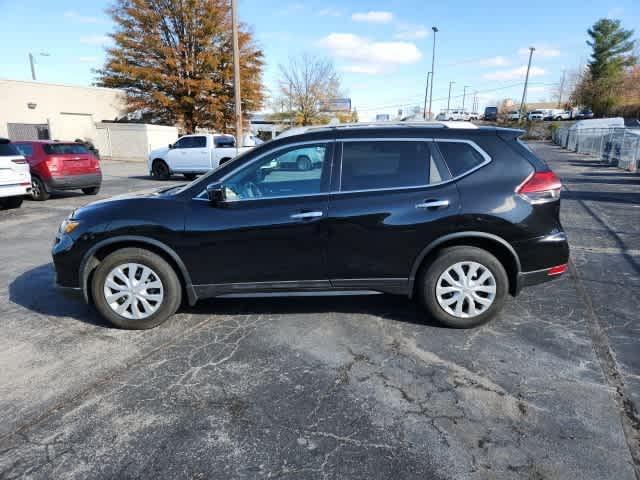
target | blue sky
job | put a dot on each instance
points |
(382, 49)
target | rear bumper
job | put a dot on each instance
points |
(15, 190)
(538, 256)
(72, 182)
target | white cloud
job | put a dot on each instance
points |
(87, 59)
(367, 56)
(77, 17)
(372, 17)
(498, 61)
(95, 40)
(541, 51)
(514, 73)
(411, 32)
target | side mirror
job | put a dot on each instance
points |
(170, 146)
(216, 193)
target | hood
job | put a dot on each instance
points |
(158, 152)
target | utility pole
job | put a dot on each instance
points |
(290, 104)
(433, 70)
(526, 81)
(464, 95)
(236, 73)
(561, 88)
(426, 93)
(475, 101)
(449, 99)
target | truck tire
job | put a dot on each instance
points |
(160, 170)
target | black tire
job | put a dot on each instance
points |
(160, 170)
(91, 190)
(190, 176)
(166, 274)
(11, 202)
(38, 191)
(304, 163)
(447, 257)
(224, 160)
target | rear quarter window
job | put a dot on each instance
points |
(460, 157)
(8, 150)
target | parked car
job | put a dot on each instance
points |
(454, 115)
(15, 181)
(474, 116)
(558, 114)
(192, 155)
(457, 217)
(584, 114)
(60, 166)
(490, 114)
(536, 115)
(513, 115)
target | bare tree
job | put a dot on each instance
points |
(307, 83)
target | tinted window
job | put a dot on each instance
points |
(392, 164)
(198, 142)
(460, 156)
(7, 149)
(181, 143)
(64, 148)
(224, 141)
(285, 173)
(24, 149)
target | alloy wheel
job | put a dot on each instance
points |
(133, 291)
(466, 289)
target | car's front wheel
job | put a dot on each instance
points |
(91, 190)
(463, 287)
(160, 170)
(135, 289)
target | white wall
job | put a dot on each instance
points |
(132, 141)
(71, 111)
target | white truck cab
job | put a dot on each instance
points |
(193, 154)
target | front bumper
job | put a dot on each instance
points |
(72, 182)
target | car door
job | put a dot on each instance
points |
(391, 198)
(177, 156)
(270, 233)
(198, 154)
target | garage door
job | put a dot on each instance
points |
(28, 131)
(69, 126)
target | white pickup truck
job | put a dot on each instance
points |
(193, 154)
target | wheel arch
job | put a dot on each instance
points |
(100, 250)
(494, 244)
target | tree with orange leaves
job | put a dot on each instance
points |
(174, 59)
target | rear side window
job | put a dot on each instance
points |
(389, 164)
(198, 142)
(224, 141)
(64, 148)
(460, 156)
(24, 149)
(8, 150)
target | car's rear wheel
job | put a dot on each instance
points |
(189, 176)
(304, 163)
(160, 170)
(91, 190)
(136, 289)
(463, 287)
(38, 190)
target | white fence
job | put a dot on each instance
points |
(132, 141)
(616, 146)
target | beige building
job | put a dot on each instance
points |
(33, 110)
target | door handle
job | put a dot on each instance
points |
(303, 215)
(433, 204)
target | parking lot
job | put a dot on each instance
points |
(330, 387)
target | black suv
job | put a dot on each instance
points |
(456, 216)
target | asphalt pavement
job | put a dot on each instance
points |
(349, 387)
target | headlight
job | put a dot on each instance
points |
(69, 226)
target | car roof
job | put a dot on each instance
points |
(45, 142)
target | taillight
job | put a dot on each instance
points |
(52, 164)
(540, 187)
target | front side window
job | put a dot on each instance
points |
(389, 164)
(284, 173)
(460, 156)
(198, 142)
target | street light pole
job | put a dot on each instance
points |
(236, 73)
(426, 92)
(526, 81)
(433, 58)
(464, 95)
(32, 63)
(561, 88)
(449, 99)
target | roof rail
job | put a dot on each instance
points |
(385, 124)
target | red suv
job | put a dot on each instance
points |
(60, 166)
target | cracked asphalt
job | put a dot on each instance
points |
(344, 387)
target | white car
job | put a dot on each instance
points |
(513, 115)
(193, 154)
(15, 179)
(454, 115)
(537, 115)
